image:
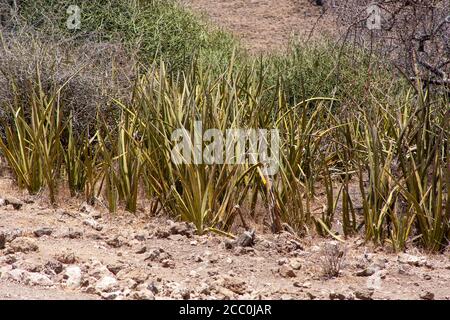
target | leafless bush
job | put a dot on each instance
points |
(332, 259)
(413, 34)
(92, 73)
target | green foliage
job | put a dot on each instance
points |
(159, 29)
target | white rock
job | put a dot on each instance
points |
(412, 260)
(193, 274)
(99, 271)
(106, 284)
(116, 295)
(93, 224)
(296, 264)
(73, 277)
(17, 275)
(38, 279)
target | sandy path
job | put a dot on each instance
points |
(265, 25)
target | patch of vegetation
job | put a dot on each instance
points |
(156, 29)
(345, 119)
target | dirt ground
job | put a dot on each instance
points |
(80, 252)
(267, 25)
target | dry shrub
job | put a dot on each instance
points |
(332, 260)
(92, 73)
(414, 34)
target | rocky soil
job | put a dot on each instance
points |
(80, 252)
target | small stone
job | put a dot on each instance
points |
(193, 274)
(66, 258)
(114, 268)
(13, 234)
(90, 210)
(73, 277)
(93, 224)
(140, 237)
(176, 237)
(161, 234)
(234, 284)
(54, 266)
(141, 250)
(226, 293)
(366, 272)
(23, 244)
(213, 259)
(197, 258)
(404, 269)
(287, 271)
(181, 228)
(73, 234)
(10, 259)
(266, 244)
(364, 294)
(153, 288)
(154, 255)
(116, 242)
(286, 297)
(304, 285)
(427, 295)
(168, 263)
(229, 245)
(17, 275)
(184, 293)
(98, 270)
(311, 295)
(157, 255)
(106, 284)
(212, 273)
(297, 245)
(38, 279)
(14, 202)
(295, 264)
(205, 289)
(337, 296)
(143, 294)
(116, 295)
(246, 239)
(2, 240)
(29, 265)
(427, 277)
(43, 232)
(137, 275)
(239, 251)
(412, 260)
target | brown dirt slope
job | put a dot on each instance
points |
(80, 252)
(266, 25)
